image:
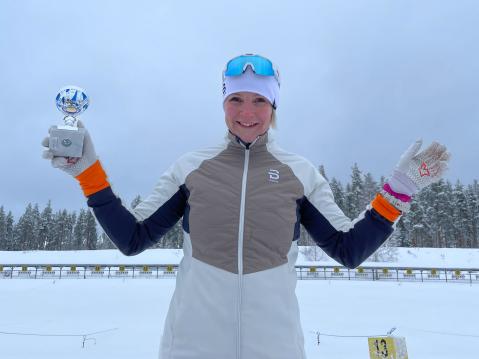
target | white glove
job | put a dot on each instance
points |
(418, 170)
(72, 166)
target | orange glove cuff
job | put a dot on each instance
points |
(384, 208)
(93, 179)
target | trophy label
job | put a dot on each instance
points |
(67, 143)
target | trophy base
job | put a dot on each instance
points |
(66, 142)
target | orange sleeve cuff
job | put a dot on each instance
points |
(384, 208)
(93, 179)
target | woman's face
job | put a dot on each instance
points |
(247, 115)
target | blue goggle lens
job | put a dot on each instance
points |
(259, 64)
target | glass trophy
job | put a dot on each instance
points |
(67, 140)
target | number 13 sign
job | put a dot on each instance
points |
(387, 348)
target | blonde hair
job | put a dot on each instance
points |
(273, 119)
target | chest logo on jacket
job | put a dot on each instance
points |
(273, 175)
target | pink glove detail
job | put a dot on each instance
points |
(399, 196)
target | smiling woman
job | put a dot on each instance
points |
(241, 204)
(248, 115)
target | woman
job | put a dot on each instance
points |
(242, 204)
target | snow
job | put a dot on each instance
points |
(418, 257)
(107, 256)
(438, 320)
(406, 257)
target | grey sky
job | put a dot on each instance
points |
(360, 81)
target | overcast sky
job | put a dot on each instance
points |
(361, 80)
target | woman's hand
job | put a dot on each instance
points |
(70, 165)
(416, 170)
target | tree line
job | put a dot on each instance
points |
(441, 215)
(64, 230)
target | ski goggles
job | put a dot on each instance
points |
(259, 64)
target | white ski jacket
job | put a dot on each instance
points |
(242, 207)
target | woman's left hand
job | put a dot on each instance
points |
(416, 170)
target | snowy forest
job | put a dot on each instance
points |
(442, 215)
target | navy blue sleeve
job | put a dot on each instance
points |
(349, 248)
(126, 232)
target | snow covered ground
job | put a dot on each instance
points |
(403, 257)
(439, 320)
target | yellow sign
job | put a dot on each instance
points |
(433, 271)
(73, 268)
(409, 271)
(360, 270)
(49, 268)
(457, 273)
(122, 268)
(24, 269)
(97, 268)
(336, 270)
(1, 268)
(385, 271)
(312, 269)
(145, 268)
(169, 268)
(387, 348)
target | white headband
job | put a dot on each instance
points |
(266, 86)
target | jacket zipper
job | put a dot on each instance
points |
(240, 249)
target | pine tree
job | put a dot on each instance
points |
(472, 196)
(45, 234)
(357, 202)
(24, 230)
(338, 193)
(90, 233)
(402, 229)
(173, 238)
(461, 231)
(68, 240)
(9, 229)
(349, 203)
(35, 243)
(370, 189)
(418, 228)
(60, 232)
(322, 171)
(3, 230)
(444, 213)
(79, 230)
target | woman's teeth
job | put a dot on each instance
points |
(247, 124)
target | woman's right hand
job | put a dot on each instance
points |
(70, 165)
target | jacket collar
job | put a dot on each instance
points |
(260, 141)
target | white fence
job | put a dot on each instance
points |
(114, 271)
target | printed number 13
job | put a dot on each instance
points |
(381, 353)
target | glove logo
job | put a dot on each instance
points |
(66, 142)
(424, 170)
